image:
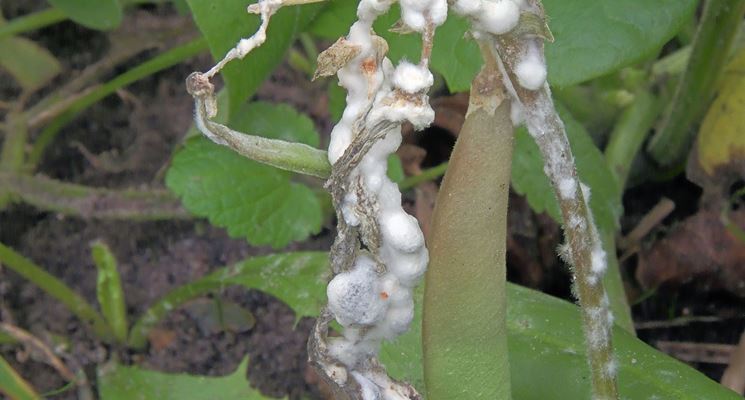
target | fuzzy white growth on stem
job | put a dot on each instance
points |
(498, 16)
(373, 300)
(531, 69)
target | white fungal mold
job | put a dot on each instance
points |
(498, 16)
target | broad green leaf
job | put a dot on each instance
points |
(546, 347)
(251, 200)
(109, 290)
(593, 37)
(13, 385)
(544, 336)
(118, 382)
(225, 22)
(547, 357)
(30, 64)
(94, 14)
(529, 179)
(298, 279)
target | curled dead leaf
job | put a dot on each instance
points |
(700, 249)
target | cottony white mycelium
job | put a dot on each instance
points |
(379, 254)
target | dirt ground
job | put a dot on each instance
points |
(137, 130)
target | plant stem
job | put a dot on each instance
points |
(85, 202)
(160, 62)
(30, 22)
(426, 175)
(57, 289)
(629, 134)
(718, 27)
(13, 152)
(584, 248)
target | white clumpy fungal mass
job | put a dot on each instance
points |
(498, 16)
(467, 7)
(354, 295)
(415, 13)
(412, 78)
(373, 300)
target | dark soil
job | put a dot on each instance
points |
(126, 141)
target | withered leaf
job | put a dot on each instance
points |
(339, 54)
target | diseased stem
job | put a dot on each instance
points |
(160, 62)
(86, 202)
(57, 289)
(718, 27)
(581, 234)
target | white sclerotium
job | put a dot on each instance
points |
(375, 302)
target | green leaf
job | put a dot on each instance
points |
(546, 347)
(30, 64)
(593, 37)
(337, 99)
(94, 14)
(109, 290)
(225, 22)
(118, 382)
(403, 357)
(251, 200)
(13, 385)
(529, 179)
(298, 279)
(544, 336)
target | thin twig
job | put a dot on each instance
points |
(651, 219)
(40, 348)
